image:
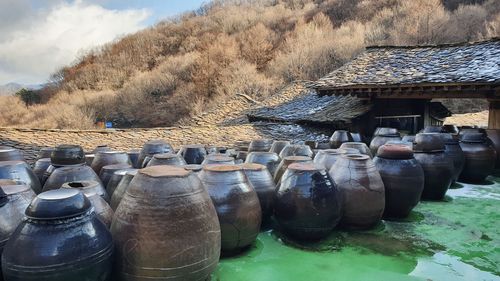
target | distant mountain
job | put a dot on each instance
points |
(11, 88)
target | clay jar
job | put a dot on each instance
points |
(133, 155)
(108, 171)
(151, 148)
(166, 227)
(361, 147)
(63, 234)
(494, 136)
(115, 179)
(403, 179)
(438, 169)
(166, 159)
(262, 145)
(362, 188)
(327, 157)
(121, 188)
(21, 172)
(44, 153)
(67, 154)
(339, 137)
(308, 203)
(262, 182)
(480, 158)
(357, 137)
(60, 175)
(10, 154)
(218, 159)
(41, 165)
(94, 192)
(269, 159)
(237, 205)
(455, 153)
(278, 146)
(105, 158)
(382, 136)
(284, 165)
(296, 150)
(193, 153)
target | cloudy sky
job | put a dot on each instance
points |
(39, 36)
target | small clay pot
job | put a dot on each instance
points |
(40, 167)
(193, 153)
(262, 182)
(108, 171)
(21, 172)
(61, 175)
(308, 203)
(67, 154)
(150, 148)
(284, 165)
(166, 159)
(217, 159)
(269, 159)
(45, 152)
(11, 154)
(360, 146)
(480, 158)
(121, 188)
(278, 146)
(115, 180)
(339, 137)
(262, 145)
(106, 158)
(296, 150)
(133, 155)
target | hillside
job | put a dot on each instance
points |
(198, 61)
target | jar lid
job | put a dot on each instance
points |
(222, 168)
(58, 204)
(395, 151)
(67, 154)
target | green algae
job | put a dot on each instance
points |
(455, 239)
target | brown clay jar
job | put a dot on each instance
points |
(262, 145)
(237, 205)
(105, 158)
(115, 180)
(41, 165)
(270, 159)
(133, 155)
(166, 227)
(262, 182)
(362, 188)
(121, 188)
(166, 159)
(296, 150)
(284, 165)
(339, 137)
(480, 158)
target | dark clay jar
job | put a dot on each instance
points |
(115, 179)
(219, 159)
(269, 159)
(278, 146)
(62, 239)
(21, 172)
(327, 157)
(166, 159)
(121, 188)
(262, 145)
(296, 150)
(133, 155)
(384, 135)
(308, 203)
(451, 129)
(11, 154)
(480, 158)
(403, 179)
(360, 146)
(94, 192)
(151, 148)
(455, 153)
(494, 136)
(362, 188)
(166, 227)
(438, 168)
(193, 154)
(64, 174)
(108, 171)
(41, 165)
(284, 165)
(44, 153)
(106, 158)
(262, 182)
(339, 137)
(67, 154)
(237, 205)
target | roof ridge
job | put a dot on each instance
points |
(443, 45)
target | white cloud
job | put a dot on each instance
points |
(45, 39)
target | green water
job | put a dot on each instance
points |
(457, 239)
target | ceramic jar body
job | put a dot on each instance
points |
(40, 167)
(438, 173)
(121, 188)
(166, 159)
(278, 146)
(360, 146)
(296, 150)
(455, 153)
(284, 165)
(151, 148)
(262, 182)
(380, 140)
(193, 154)
(269, 159)
(339, 137)
(10, 154)
(21, 172)
(262, 145)
(494, 136)
(480, 159)
(106, 158)
(61, 175)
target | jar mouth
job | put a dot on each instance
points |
(356, 157)
(221, 168)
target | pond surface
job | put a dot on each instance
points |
(455, 239)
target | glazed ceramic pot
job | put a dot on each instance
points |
(382, 136)
(108, 171)
(106, 158)
(480, 158)
(326, 158)
(339, 137)
(451, 129)
(41, 165)
(121, 188)
(237, 205)
(96, 194)
(494, 136)
(403, 179)
(150, 148)
(166, 227)
(432, 129)
(166, 159)
(63, 234)
(278, 146)
(193, 153)
(284, 165)
(44, 153)
(11, 154)
(438, 168)
(262, 182)
(362, 188)
(360, 146)
(115, 179)
(133, 155)
(67, 154)
(269, 159)
(262, 145)
(455, 153)
(21, 172)
(296, 150)
(357, 137)
(308, 203)
(64, 174)
(217, 159)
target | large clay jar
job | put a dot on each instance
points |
(151, 148)
(121, 188)
(106, 158)
(262, 145)
(166, 227)
(11, 154)
(62, 239)
(67, 154)
(494, 136)
(237, 205)
(70, 173)
(14, 199)
(480, 158)
(360, 146)
(269, 159)
(278, 146)
(262, 182)
(382, 136)
(96, 194)
(166, 159)
(327, 157)
(339, 137)
(403, 179)
(115, 179)
(284, 165)
(108, 171)
(455, 153)
(193, 153)
(308, 203)
(41, 165)
(362, 189)
(296, 150)
(438, 168)
(219, 159)
(133, 155)
(21, 172)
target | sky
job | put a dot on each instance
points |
(37, 37)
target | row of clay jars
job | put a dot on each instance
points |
(148, 231)
(57, 218)
(382, 136)
(480, 157)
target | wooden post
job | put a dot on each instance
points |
(494, 115)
